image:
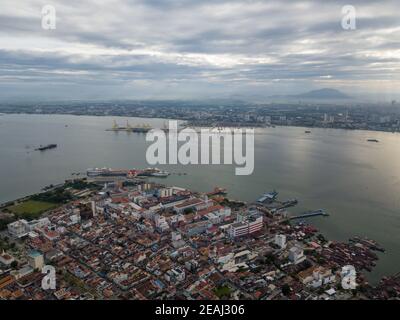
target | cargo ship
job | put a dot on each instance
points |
(144, 128)
(47, 147)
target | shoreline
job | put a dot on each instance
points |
(185, 120)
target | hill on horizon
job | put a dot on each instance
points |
(325, 93)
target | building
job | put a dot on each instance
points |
(35, 224)
(316, 276)
(161, 223)
(280, 241)
(175, 236)
(74, 219)
(21, 228)
(6, 259)
(23, 272)
(17, 229)
(296, 255)
(175, 275)
(164, 192)
(190, 204)
(94, 209)
(6, 281)
(247, 223)
(193, 229)
(216, 213)
(35, 260)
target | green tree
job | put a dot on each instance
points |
(286, 289)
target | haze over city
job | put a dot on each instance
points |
(177, 49)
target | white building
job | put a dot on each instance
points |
(35, 260)
(216, 214)
(296, 255)
(21, 228)
(161, 223)
(34, 224)
(6, 259)
(94, 209)
(74, 219)
(17, 229)
(175, 275)
(176, 236)
(164, 192)
(280, 241)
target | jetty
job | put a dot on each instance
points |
(309, 214)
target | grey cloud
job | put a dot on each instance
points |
(218, 46)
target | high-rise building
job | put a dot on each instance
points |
(296, 255)
(35, 260)
(94, 209)
(280, 240)
(246, 223)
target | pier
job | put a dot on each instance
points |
(315, 213)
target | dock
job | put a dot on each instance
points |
(309, 214)
(285, 204)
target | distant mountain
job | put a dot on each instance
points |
(325, 93)
(315, 95)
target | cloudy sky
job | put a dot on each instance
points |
(157, 49)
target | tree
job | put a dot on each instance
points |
(286, 289)
(188, 211)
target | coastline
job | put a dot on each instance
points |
(186, 120)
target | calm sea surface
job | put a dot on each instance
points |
(356, 181)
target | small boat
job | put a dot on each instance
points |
(307, 131)
(49, 146)
(372, 140)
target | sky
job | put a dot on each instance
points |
(197, 49)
